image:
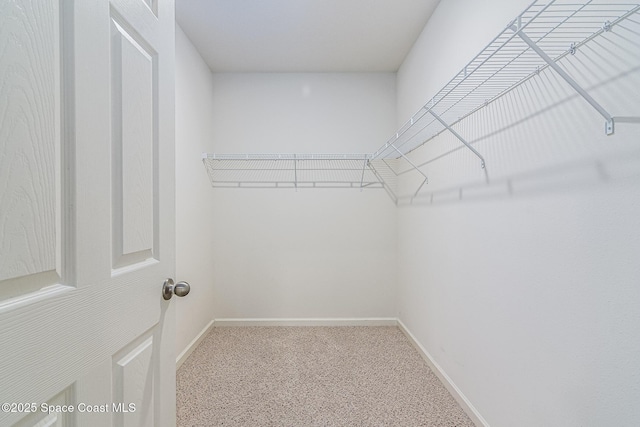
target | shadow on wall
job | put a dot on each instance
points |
(541, 136)
(622, 168)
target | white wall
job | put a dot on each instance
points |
(315, 253)
(194, 240)
(525, 291)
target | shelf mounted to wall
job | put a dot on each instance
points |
(296, 171)
(539, 38)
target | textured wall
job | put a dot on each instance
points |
(525, 291)
(194, 242)
(323, 253)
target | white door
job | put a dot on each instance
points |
(86, 212)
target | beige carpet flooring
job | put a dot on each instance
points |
(311, 376)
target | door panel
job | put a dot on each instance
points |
(30, 104)
(86, 211)
(133, 383)
(45, 418)
(133, 127)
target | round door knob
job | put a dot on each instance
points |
(169, 288)
(181, 289)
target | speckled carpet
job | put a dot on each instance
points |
(311, 376)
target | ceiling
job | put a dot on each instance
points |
(303, 35)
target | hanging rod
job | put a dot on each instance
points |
(291, 171)
(554, 28)
(543, 34)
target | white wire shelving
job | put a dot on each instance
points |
(298, 171)
(541, 36)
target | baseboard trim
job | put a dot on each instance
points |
(462, 400)
(193, 345)
(377, 321)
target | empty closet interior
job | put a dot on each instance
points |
(484, 195)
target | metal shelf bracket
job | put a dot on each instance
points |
(609, 123)
(469, 146)
(544, 35)
(295, 170)
(364, 168)
(426, 179)
(385, 185)
(409, 161)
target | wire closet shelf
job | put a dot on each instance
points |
(542, 35)
(290, 170)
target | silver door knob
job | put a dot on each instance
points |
(181, 289)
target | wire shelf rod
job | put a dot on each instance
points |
(557, 28)
(566, 77)
(617, 22)
(364, 167)
(386, 187)
(465, 73)
(549, 24)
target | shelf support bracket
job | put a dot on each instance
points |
(409, 161)
(469, 146)
(426, 180)
(295, 171)
(609, 125)
(384, 184)
(364, 167)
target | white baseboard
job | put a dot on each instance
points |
(376, 321)
(462, 400)
(464, 403)
(193, 345)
